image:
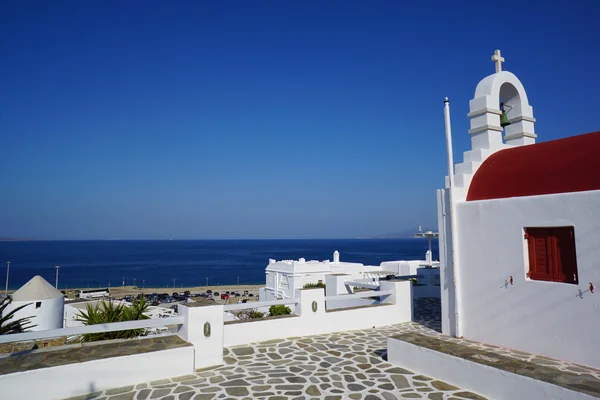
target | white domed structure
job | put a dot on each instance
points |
(46, 304)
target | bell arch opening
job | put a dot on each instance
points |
(510, 102)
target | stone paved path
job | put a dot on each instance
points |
(347, 365)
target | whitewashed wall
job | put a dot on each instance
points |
(554, 319)
(313, 323)
(402, 267)
(81, 378)
(447, 293)
(70, 316)
(48, 316)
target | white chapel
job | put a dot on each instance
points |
(519, 231)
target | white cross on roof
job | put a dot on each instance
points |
(498, 59)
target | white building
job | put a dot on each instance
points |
(520, 256)
(284, 277)
(45, 304)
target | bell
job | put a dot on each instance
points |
(503, 118)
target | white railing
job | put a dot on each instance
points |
(367, 284)
(98, 328)
(360, 295)
(258, 304)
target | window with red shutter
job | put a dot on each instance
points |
(552, 254)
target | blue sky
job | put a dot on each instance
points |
(252, 119)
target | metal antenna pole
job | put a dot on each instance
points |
(452, 217)
(7, 273)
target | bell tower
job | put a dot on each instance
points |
(500, 105)
(500, 95)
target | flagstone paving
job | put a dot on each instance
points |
(346, 365)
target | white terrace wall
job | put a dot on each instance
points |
(82, 378)
(554, 319)
(397, 308)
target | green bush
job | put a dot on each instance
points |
(279, 310)
(107, 312)
(253, 314)
(248, 314)
(319, 284)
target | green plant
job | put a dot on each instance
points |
(279, 310)
(248, 314)
(17, 326)
(107, 312)
(319, 284)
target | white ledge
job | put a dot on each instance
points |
(482, 111)
(484, 128)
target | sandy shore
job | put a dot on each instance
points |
(120, 291)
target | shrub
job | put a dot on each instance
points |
(319, 284)
(107, 312)
(248, 314)
(17, 326)
(279, 310)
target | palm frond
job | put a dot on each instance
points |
(108, 312)
(17, 326)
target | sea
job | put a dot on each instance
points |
(184, 263)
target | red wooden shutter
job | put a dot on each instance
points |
(539, 254)
(565, 258)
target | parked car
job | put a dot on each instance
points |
(216, 294)
(224, 296)
(209, 291)
(250, 295)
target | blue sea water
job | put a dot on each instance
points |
(189, 262)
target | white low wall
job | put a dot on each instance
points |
(203, 328)
(396, 308)
(82, 378)
(488, 381)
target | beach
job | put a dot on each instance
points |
(120, 291)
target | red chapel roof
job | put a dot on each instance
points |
(559, 166)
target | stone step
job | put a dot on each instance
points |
(476, 155)
(488, 373)
(463, 180)
(467, 167)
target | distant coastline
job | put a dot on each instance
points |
(385, 236)
(9, 239)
